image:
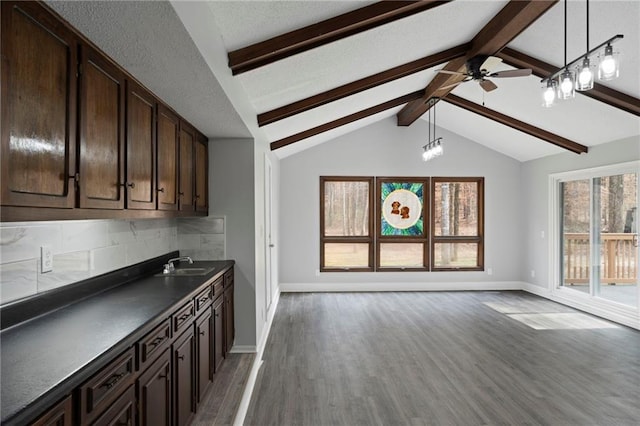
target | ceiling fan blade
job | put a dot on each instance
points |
(487, 85)
(490, 63)
(512, 73)
(451, 72)
(451, 85)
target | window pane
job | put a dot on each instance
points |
(455, 255)
(456, 208)
(346, 209)
(575, 231)
(346, 255)
(407, 255)
(618, 235)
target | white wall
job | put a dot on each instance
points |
(384, 149)
(231, 194)
(535, 184)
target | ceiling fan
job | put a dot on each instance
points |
(479, 69)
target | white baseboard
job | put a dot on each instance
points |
(396, 286)
(257, 364)
(243, 349)
(624, 316)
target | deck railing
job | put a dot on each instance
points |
(618, 258)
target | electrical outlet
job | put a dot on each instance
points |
(490, 271)
(317, 272)
(542, 234)
(533, 273)
(46, 258)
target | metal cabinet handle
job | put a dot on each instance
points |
(114, 379)
(181, 357)
(160, 189)
(202, 333)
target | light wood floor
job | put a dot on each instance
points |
(444, 358)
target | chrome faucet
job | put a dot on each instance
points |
(169, 267)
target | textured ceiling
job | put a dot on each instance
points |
(158, 45)
(149, 41)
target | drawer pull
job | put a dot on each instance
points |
(114, 379)
(203, 299)
(184, 317)
(181, 357)
(217, 315)
(155, 342)
(202, 333)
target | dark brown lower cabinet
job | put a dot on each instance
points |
(154, 393)
(121, 412)
(184, 377)
(204, 353)
(228, 318)
(218, 333)
(58, 415)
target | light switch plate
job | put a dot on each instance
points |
(46, 257)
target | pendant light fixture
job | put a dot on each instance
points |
(433, 148)
(564, 80)
(585, 75)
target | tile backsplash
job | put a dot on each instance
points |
(83, 249)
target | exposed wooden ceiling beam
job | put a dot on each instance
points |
(327, 31)
(514, 18)
(516, 124)
(599, 92)
(346, 120)
(361, 85)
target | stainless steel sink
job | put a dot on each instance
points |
(180, 272)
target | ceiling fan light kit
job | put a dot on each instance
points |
(565, 79)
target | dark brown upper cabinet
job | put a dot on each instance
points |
(168, 131)
(39, 59)
(141, 148)
(185, 180)
(201, 174)
(101, 116)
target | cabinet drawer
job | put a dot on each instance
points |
(218, 287)
(103, 388)
(121, 412)
(58, 415)
(228, 278)
(183, 317)
(153, 344)
(203, 299)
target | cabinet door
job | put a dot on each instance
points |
(228, 318)
(168, 127)
(185, 182)
(154, 393)
(204, 338)
(218, 334)
(39, 83)
(101, 117)
(58, 415)
(184, 378)
(202, 174)
(141, 148)
(121, 412)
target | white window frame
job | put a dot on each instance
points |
(586, 301)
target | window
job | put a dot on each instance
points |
(458, 223)
(597, 234)
(346, 223)
(421, 224)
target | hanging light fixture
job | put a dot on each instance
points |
(608, 68)
(433, 148)
(565, 81)
(549, 94)
(585, 75)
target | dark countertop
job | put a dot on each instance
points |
(45, 358)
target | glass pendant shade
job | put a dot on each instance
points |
(549, 94)
(566, 86)
(608, 69)
(585, 76)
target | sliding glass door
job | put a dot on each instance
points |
(599, 235)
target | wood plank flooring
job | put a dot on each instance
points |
(442, 358)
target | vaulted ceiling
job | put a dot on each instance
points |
(314, 70)
(330, 67)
